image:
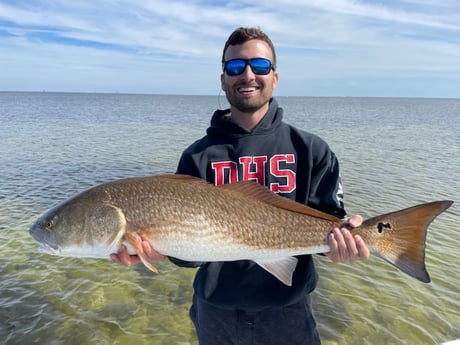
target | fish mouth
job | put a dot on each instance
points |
(39, 234)
(43, 245)
(48, 248)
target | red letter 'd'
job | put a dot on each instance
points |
(220, 177)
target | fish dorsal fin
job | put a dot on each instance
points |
(255, 191)
(180, 177)
(283, 269)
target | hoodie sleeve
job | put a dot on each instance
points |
(326, 192)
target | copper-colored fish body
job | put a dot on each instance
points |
(187, 218)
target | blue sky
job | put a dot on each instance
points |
(406, 48)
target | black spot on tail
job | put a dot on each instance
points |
(381, 226)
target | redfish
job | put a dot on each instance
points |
(190, 219)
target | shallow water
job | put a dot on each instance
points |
(394, 153)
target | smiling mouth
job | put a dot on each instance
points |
(247, 90)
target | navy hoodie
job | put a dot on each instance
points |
(297, 165)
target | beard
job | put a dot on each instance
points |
(248, 104)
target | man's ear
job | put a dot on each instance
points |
(275, 80)
(222, 83)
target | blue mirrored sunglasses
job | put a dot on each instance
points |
(259, 66)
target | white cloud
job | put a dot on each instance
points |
(175, 46)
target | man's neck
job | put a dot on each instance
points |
(248, 121)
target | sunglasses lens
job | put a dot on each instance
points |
(258, 66)
(235, 67)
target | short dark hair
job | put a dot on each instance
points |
(242, 35)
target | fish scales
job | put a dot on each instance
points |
(190, 219)
(205, 211)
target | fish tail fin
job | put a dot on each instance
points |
(135, 242)
(400, 237)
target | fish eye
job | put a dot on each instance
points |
(50, 222)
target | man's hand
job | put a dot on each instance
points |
(122, 257)
(344, 246)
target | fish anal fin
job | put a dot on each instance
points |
(282, 269)
(136, 242)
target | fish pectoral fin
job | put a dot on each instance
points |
(282, 269)
(148, 264)
(136, 242)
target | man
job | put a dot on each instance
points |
(239, 302)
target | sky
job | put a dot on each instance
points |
(392, 48)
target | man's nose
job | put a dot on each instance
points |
(248, 74)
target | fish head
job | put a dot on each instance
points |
(80, 227)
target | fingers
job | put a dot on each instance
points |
(363, 249)
(355, 221)
(344, 247)
(123, 257)
(151, 254)
(143, 248)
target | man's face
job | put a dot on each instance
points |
(249, 92)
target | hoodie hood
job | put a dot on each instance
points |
(222, 126)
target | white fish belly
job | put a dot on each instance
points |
(221, 249)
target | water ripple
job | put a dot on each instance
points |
(394, 153)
